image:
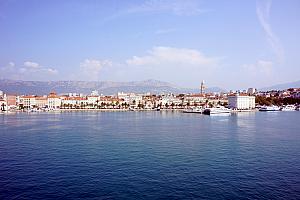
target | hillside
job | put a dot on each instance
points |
(85, 87)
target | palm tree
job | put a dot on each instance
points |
(172, 105)
(102, 104)
(167, 105)
(21, 106)
(3, 107)
(140, 106)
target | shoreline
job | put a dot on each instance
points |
(110, 110)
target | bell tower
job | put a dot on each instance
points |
(202, 87)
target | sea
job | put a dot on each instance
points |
(150, 155)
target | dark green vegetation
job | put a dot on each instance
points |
(276, 100)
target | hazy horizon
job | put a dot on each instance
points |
(229, 44)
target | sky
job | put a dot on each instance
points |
(231, 44)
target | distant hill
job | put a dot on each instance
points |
(283, 86)
(85, 87)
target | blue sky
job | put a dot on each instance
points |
(231, 44)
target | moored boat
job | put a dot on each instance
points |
(194, 110)
(217, 110)
(269, 108)
(289, 108)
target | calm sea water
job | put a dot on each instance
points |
(150, 155)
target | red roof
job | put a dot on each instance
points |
(241, 94)
(28, 97)
(41, 98)
(196, 95)
(75, 98)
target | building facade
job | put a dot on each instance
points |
(28, 102)
(54, 101)
(41, 102)
(241, 101)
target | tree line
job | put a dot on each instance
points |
(276, 100)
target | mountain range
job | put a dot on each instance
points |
(85, 87)
(283, 86)
(110, 87)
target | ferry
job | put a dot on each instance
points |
(289, 108)
(217, 110)
(269, 108)
(193, 110)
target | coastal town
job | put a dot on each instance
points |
(242, 100)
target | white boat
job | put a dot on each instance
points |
(193, 110)
(289, 108)
(217, 110)
(269, 108)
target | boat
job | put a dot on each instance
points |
(217, 110)
(288, 108)
(131, 109)
(193, 110)
(269, 108)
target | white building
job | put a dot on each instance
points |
(41, 102)
(28, 101)
(241, 101)
(95, 93)
(194, 99)
(130, 98)
(169, 100)
(54, 101)
(76, 101)
(93, 100)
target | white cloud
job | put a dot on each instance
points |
(182, 66)
(11, 64)
(31, 64)
(29, 71)
(91, 68)
(260, 67)
(52, 71)
(169, 55)
(263, 14)
(33, 67)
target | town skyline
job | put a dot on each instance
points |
(181, 42)
(110, 88)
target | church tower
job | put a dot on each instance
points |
(202, 87)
